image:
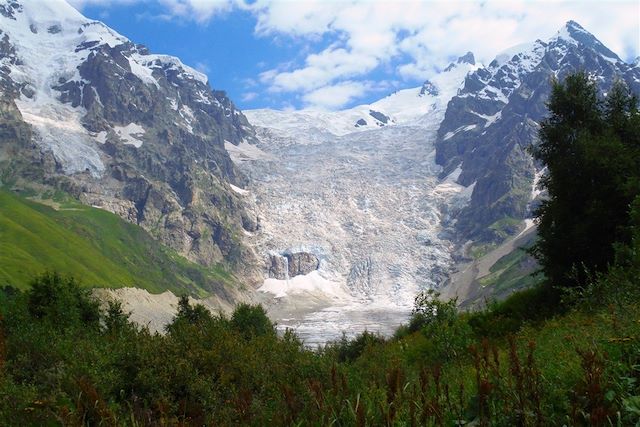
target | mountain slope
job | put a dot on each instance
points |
(489, 125)
(95, 246)
(138, 134)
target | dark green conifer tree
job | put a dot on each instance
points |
(590, 149)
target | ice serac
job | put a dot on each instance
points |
(139, 134)
(490, 123)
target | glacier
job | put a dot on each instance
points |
(366, 201)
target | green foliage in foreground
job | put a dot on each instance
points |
(97, 247)
(65, 361)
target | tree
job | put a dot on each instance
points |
(590, 149)
(62, 301)
(116, 320)
(189, 314)
(251, 321)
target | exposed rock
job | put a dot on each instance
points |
(278, 267)
(9, 9)
(467, 58)
(54, 29)
(300, 263)
(290, 264)
(380, 117)
(429, 88)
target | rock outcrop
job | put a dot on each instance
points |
(290, 264)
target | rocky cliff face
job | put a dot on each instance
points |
(494, 118)
(139, 134)
(290, 264)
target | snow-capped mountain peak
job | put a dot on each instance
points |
(574, 33)
(489, 124)
(47, 44)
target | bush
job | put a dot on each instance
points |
(507, 317)
(347, 350)
(429, 309)
(251, 321)
(447, 333)
(62, 301)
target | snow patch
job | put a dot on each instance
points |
(101, 137)
(507, 54)
(312, 283)
(130, 134)
(244, 152)
(536, 190)
(466, 128)
(490, 119)
(239, 190)
(141, 71)
(187, 114)
(69, 142)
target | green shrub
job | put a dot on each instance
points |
(348, 350)
(429, 309)
(506, 317)
(447, 334)
(251, 321)
(62, 301)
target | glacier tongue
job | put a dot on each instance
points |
(368, 204)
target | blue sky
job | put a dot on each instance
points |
(336, 54)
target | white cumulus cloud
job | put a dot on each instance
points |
(420, 37)
(335, 96)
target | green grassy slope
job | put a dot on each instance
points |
(512, 272)
(98, 247)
